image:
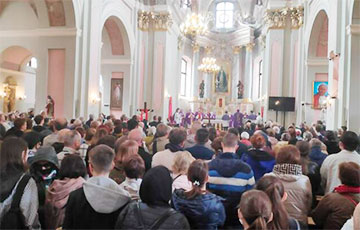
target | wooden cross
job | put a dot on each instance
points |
(146, 111)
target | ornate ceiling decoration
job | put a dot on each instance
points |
(157, 21)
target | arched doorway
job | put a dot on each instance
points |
(317, 70)
(31, 24)
(115, 68)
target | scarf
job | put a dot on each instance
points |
(292, 169)
(347, 189)
(173, 148)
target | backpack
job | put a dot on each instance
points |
(14, 219)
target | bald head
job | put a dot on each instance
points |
(61, 135)
(136, 135)
(59, 124)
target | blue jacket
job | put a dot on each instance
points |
(201, 152)
(260, 162)
(203, 212)
(229, 177)
(317, 156)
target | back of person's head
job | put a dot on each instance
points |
(198, 176)
(270, 132)
(108, 140)
(89, 134)
(275, 190)
(202, 136)
(314, 142)
(19, 123)
(13, 154)
(349, 174)
(126, 149)
(182, 161)
(134, 166)
(212, 134)
(94, 124)
(255, 210)
(33, 139)
(258, 141)
(132, 124)
(161, 130)
(216, 144)
(245, 135)
(72, 139)
(177, 136)
(159, 119)
(285, 137)
(350, 141)
(59, 124)
(319, 128)
(230, 140)
(72, 166)
(136, 135)
(288, 154)
(29, 123)
(38, 119)
(304, 148)
(100, 133)
(234, 131)
(101, 158)
(307, 136)
(156, 187)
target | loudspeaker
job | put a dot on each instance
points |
(286, 104)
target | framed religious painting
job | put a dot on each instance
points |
(319, 93)
(116, 94)
(222, 79)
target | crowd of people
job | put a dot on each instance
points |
(108, 173)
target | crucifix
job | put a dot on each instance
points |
(145, 111)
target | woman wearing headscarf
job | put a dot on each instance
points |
(154, 211)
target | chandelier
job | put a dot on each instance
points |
(195, 24)
(209, 65)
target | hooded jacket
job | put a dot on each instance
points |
(298, 188)
(96, 205)
(317, 156)
(203, 212)
(56, 198)
(155, 194)
(260, 162)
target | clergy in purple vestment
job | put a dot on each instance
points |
(188, 118)
(238, 119)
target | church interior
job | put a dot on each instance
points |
(208, 56)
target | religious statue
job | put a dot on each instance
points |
(9, 99)
(240, 87)
(50, 106)
(202, 89)
(221, 82)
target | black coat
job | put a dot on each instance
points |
(80, 215)
(146, 157)
(128, 219)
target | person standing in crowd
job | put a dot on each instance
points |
(154, 122)
(57, 125)
(177, 138)
(199, 151)
(98, 203)
(134, 168)
(316, 155)
(255, 211)
(72, 142)
(338, 206)
(203, 210)
(123, 151)
(17, 185)
(137, 136)
(177, 117)
(153, 211)
(331, 142)
(160, 138)
(275, 189)
(39, 121)
(33, 139)
(260, 161)
(180, 168)
(229, 177)
(288, 169)
(225, 121)
(330, 168)
(18, 129)
(71, 177)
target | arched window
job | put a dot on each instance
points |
(224, 15)
(183, 77)
(32, 63)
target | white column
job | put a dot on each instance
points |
(195, 72)
(235, 72)
(248, 71)
(208, 82)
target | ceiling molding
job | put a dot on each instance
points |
(42, 32)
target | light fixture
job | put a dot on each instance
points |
(209, 65)
(194, 25)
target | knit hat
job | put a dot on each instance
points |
(45, 154)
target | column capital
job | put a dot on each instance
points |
(236, 49)
(276, 18)
(250, 46)
(208, 49)
(195, 46)
(156, 21)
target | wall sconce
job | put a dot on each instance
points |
(333, 55)
(95, 99)
(21, 98)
